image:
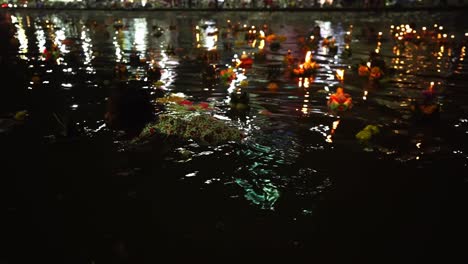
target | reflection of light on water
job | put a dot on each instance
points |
(325, 130)
(209, 35)
(141, 30)
(40, 38)
(210, 42)
(305, 109)
(59, 37)
(332, 131)
(21, 35)
(254, 43)
(236, 60)
(322, 129)
(325, 28)
(261, 45)
(263, 192)
(87, 46)
(167, 74)
(240, 76)
(118, 50)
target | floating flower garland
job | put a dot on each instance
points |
(187, 120)
(372, 73)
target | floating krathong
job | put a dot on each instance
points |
(308, 68)
(340, 101)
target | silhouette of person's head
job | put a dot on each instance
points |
(129, 108)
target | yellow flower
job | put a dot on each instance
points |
(21, 115)
(244, 83)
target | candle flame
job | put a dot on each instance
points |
(340, 74)
(308, 57)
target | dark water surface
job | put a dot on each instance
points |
(75, 191)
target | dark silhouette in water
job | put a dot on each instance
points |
(316, 32)
(129, 109)
(209, 75)
(120, 71)
(11, 69)
(239, 102)
(135, 59)
(376, 60)
(154, 73)
(428, 110)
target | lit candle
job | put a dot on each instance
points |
(340, 74)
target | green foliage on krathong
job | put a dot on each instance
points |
(366, 134)
(188, 121)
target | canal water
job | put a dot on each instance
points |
(300, 183)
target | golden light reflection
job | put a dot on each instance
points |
(262, 34)
(329, 138)
(306, 83)
(305, 106)
(340, 74)
(237, 62)
(261, 45)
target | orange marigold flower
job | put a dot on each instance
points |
(363, 70)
